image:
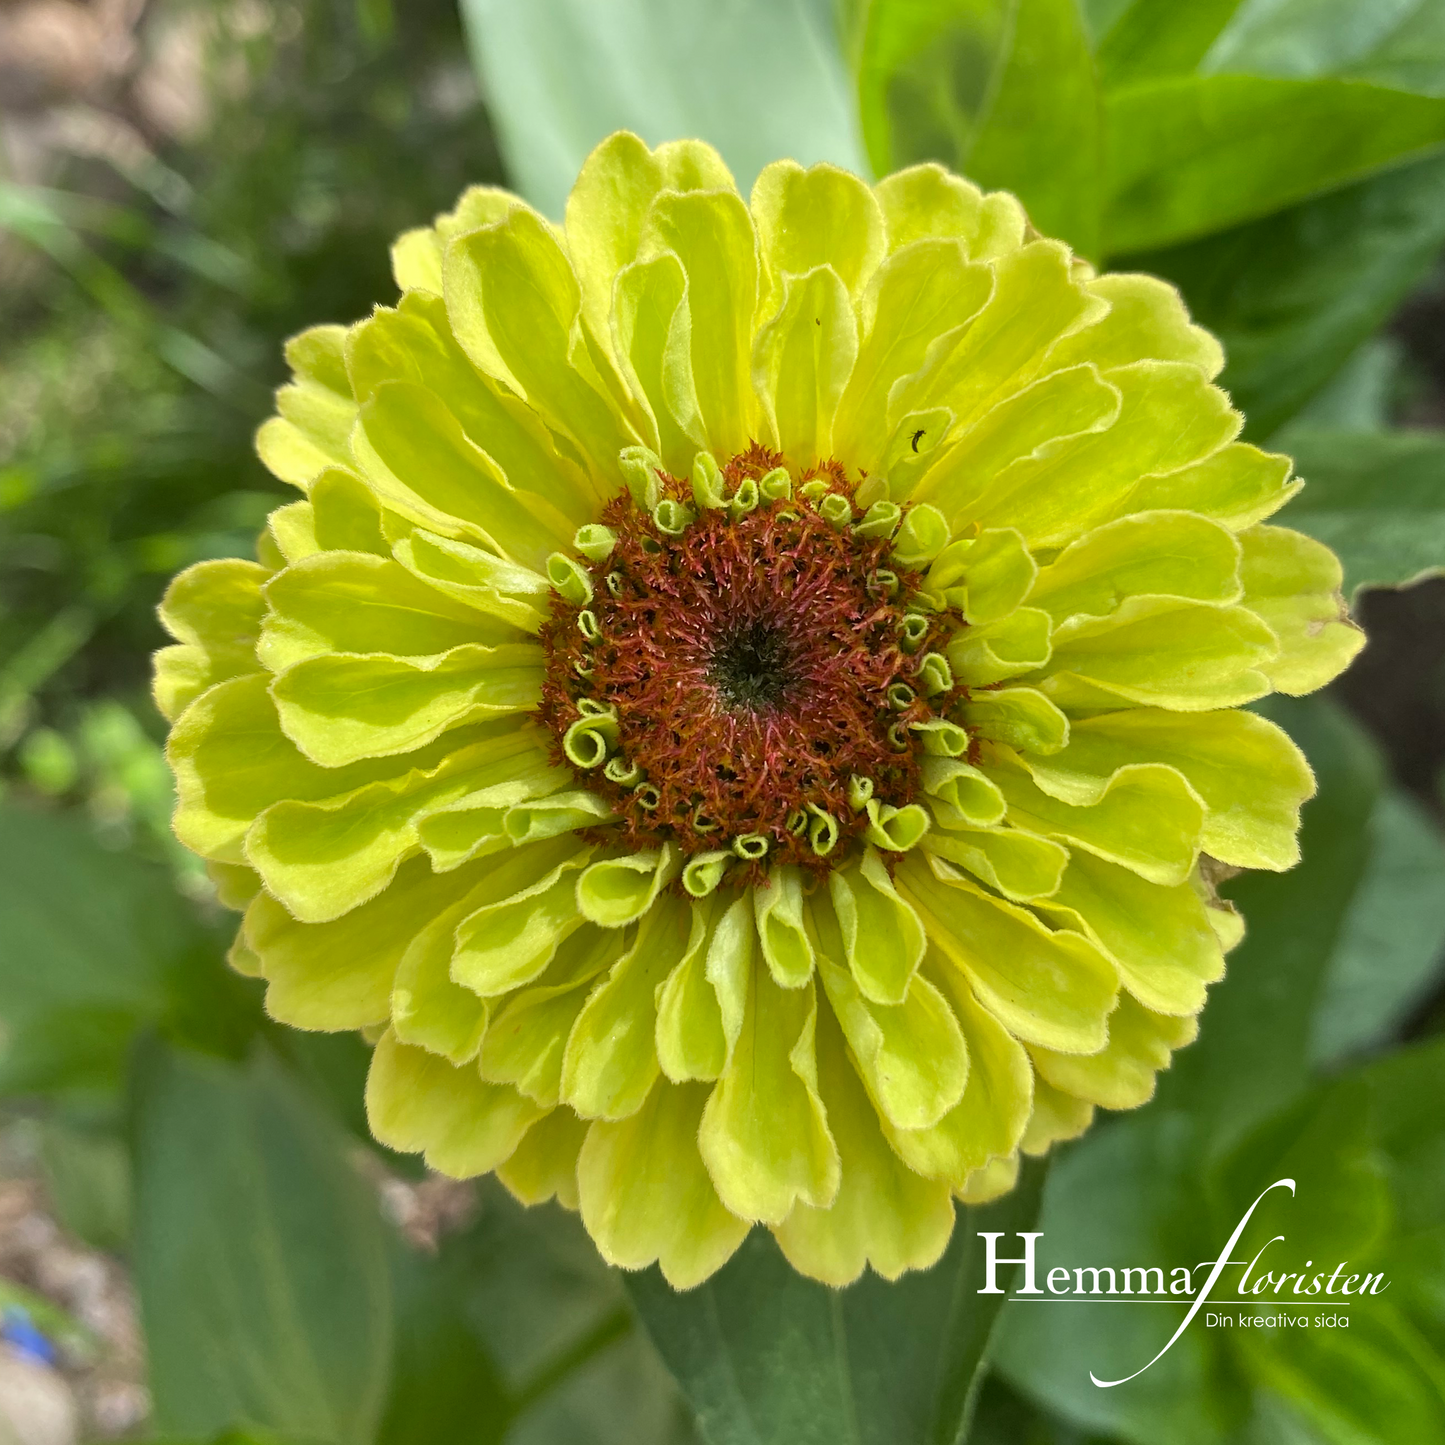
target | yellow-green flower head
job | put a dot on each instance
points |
(746, 714)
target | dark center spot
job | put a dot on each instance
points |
(751, 667)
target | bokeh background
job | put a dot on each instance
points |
(195, 1234)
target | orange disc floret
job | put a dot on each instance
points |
(761, 663)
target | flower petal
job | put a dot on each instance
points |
(343, 707)
(1165, 554)
(1160, 937)
(614, 892)
(1169, 417)
(544, 1164)
(975, 480)
(802, 360)
(882, 937)
(711, 234)
(414, 342)
(1057, 1117)
(419, 1103)
(910, 1055)
(1154, 651)
(778, 909)
(1019, 865)
(214, 611)
(996, 651)
(527, 908)
(920, 294)
(1293, 583)
(1036, 300)
(1122, 1075)
(424, 466)
(611, 1057)
(652, 337)
(1144, 815)
(1022, 717)
(356, 602)
(691, 1041)
(1147, 319)
(1250, 775)
(764, 1134)
(427, 1008)
(928, 201)
(339, 975)
(514, 306)
(1054, 989)
(884, 1214)
(479, 579)
(317, 409)
(232, 761)
(526, 1041)
(416, 258)
(822, 216)
(609, 202)
(988, 1121)
(1237, 486)
(646, 1196)
(322, 859)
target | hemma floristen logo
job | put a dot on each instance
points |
(746, 712)
(1253, 1288)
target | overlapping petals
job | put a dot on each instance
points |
(357, 754)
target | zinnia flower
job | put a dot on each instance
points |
(746, 716)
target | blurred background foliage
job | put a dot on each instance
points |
(185, 183)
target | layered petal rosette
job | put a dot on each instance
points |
(746, 714)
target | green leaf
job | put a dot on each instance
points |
(87, 1176)
(259, 1254)
(1002, 92)
(445, 1386)
(765, 1355)
(97, 943)
(1377, 499)
(759, 79)
(1193, 154)
(1391, 42)
(1340, 1207)
(239, 1437)
(1143, 40)
(1390, 949)
(1293, 295)
(516, 1330)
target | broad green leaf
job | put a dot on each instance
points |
(444, 1383)
(759, 80)
(1377, 499)
(1293, 295)
(1127, 1194)
(516, 1330)
(767, 1357)
(259, 1254)
(1193, 154)
(87, 1176)
(1004, 93)
(96, 944)
(1141, 40)
(1341, 1204)
(1390, 948)
(1391, 42)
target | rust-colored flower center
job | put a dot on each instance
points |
(747, 672)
